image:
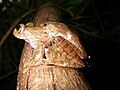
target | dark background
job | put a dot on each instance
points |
(97, 23)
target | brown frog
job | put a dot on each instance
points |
(53, 44)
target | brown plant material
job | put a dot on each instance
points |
(46, 13)
(56, 78)
(44, 77)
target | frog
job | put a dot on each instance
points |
(53, 43)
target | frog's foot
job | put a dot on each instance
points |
(31, 64)
(35, 62)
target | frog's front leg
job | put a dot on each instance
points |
(38, 55)
(38, 58)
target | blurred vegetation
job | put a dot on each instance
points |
(96, 21)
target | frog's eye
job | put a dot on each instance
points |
(17, 27)
(45, 24)
(20, 28)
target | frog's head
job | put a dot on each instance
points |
(25, 33)
(22, 32)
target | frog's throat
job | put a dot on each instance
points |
(32, 44)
